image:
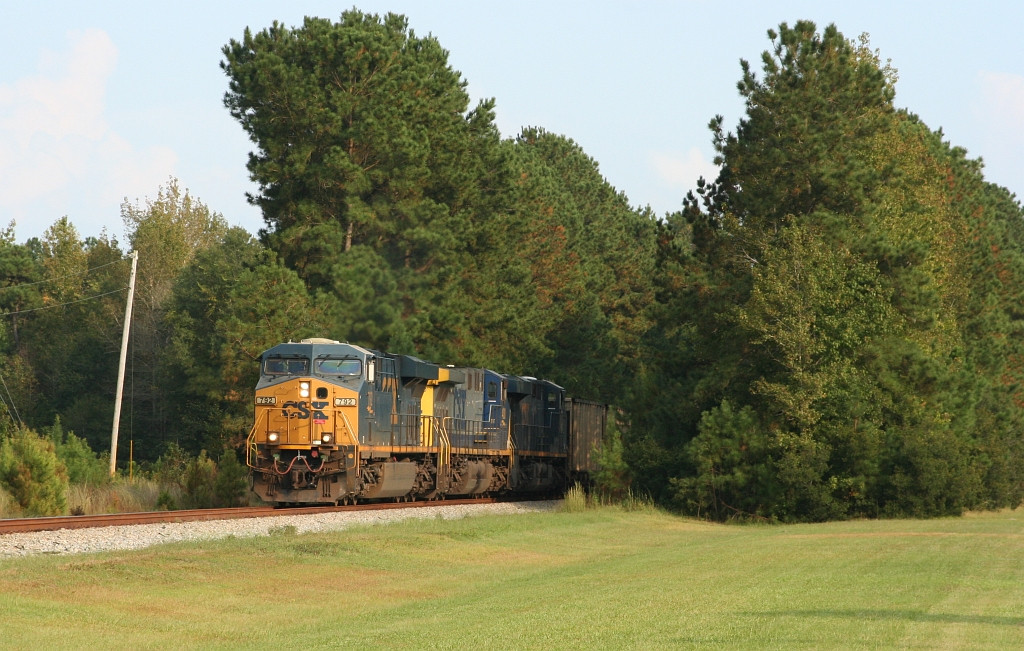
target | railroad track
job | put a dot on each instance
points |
(22, 525)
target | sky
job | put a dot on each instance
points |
(105, 102)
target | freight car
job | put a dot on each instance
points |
(336, 423)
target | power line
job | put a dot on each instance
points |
(11, 398)
(48, 307)
(52, 280)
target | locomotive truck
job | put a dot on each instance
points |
(336, 423)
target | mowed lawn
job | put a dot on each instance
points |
(604, 579)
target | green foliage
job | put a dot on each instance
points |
(835, 282)
(801, 146)
(370, 167)
(83, 466)
(7, 425)
(612, 478)
(732, 473)
(67, 353)
(199, 482)
(170, 467)
(19, 292)
(166, 502)
(167, 233)
(231, 302)
(32, 475)
(232, 483)
(577, 295)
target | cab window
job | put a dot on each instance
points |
(285, 366)
(339, 367)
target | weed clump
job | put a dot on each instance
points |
(575, 499)
(578, 499)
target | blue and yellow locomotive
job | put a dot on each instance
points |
(337, 423)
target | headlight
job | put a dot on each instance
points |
(272, 437)
(326, 438)
(304, 389)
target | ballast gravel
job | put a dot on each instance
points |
(138, 536)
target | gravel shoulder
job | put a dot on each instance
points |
(80, 541)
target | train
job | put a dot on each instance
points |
(336, 423)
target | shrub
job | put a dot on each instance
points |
(200, 482)
(31, 473)
(166, 502)
(612, 477)
(170, 468)
(203, 483)
(82, 464)
(732, 472)
(231, 484)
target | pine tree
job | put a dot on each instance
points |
(811, 301)
(370, 167)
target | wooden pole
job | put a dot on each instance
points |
(120, 368)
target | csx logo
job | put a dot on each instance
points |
(301, 410)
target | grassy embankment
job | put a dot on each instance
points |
(597, 579)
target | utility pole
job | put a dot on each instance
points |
(120, 368)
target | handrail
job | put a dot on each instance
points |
(250, 440)
(533, 437)
(511, 450)
(444, 455)
(348, 427)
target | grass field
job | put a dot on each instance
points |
(598, 579)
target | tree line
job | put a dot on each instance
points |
(828, 329)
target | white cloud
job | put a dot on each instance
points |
(58, 153)
(681, 171)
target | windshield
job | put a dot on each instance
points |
(285, 366)
(346, 367)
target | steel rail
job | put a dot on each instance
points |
(55, 523)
